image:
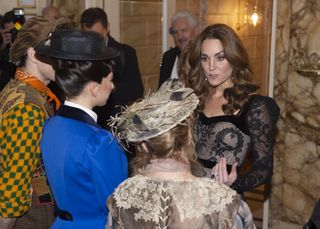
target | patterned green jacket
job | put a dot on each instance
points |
(23, 111)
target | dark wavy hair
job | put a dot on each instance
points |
(235, 53)
(183, 64)
(177, 143)
(72, 76)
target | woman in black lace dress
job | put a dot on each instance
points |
(233, 118)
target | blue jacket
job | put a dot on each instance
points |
(84, 164)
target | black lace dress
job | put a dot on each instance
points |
(234, 136)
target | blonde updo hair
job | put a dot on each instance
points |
(176, 143)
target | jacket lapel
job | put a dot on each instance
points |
(76, 114)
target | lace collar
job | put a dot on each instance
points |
(193, 198)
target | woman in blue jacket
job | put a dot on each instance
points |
(83, 161)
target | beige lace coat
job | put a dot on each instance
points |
(142, 202)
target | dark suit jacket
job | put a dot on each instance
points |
(127, 80)
(7, 68)
(167, 63)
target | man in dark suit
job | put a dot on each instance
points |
(126, 71)
(9, 28)
(184, 28)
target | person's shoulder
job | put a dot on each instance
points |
(263, 100)
(172, 51)
(128, 47)
(132, 181)
(133, 185)
(259, 97)
(212, 197)
(101, 136)
(78, 121)
(19, 94)
(97, 131)
(258, 100)
(120, 46)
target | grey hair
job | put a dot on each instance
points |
(185, 14)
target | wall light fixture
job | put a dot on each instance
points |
(250, 15)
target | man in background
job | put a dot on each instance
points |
(127, 78)
(10, 25)
(51, 11)
(184, 28)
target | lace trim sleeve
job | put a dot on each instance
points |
(261, 119)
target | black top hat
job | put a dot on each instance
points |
(75, 44)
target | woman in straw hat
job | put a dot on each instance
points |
(83, 161)
(164, 193)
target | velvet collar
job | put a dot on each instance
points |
(76, 114)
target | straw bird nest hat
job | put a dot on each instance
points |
(155, 114)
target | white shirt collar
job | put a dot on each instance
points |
(107, 40)
(174, 73)
(88, 111)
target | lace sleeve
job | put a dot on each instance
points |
(261, 119)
